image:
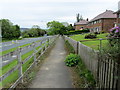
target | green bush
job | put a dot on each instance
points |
(72, 60)
(96, 33)
(77, 31)
(102, 32)
(90, 36)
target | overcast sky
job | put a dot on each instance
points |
(27, 13)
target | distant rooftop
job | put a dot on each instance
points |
(106, 14)
(81, 22)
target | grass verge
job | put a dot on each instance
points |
(7, 82)
(9, 66)
(81, 76)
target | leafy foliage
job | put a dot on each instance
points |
(90, 36)
(9, 31)
(114, 44)
(82, 70)
(71, 32)
(114, 33)
(35, 31)
(79, 18)
(72, 60)
(86, 74)
(56, 27)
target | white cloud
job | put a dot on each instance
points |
(29, 12)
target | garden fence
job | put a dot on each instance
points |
(104, 69)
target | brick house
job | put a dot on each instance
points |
(118, 18)
(80, 25)
(102, 22)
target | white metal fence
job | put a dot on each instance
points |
(45, 43)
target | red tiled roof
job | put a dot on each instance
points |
(106, 14)
(81, 22)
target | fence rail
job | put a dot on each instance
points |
(47, 43)
(105, 70)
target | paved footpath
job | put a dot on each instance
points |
(53, 72)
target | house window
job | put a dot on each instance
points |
(95, 22)
(100, 28)
(119, 16)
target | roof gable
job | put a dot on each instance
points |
(82, 22)
(106, 14)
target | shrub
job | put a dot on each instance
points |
(96, 33)
(72, 60)
(114, 44)
(90, 36)
(77, 31)
(102, 32)
(86, 74)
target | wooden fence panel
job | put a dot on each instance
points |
(105, 70)
(89, 57)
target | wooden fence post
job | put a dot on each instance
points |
(48, 41)
(77, 49)
(20, 64)
(118, 76)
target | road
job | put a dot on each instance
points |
(11, 44)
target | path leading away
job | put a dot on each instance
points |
(53, 72)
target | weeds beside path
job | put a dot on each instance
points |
(53, 72)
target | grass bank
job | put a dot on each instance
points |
(14, 76)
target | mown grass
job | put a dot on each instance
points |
(27, 64)
(9, 66)
(7, 82)
(13, 49)
(93, 43)
(15, 62)
(23, 57)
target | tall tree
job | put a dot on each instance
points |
(9, 30)
(70, 27)
(77, 17)
(56, 27)
(35, 31)
(81, 18)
